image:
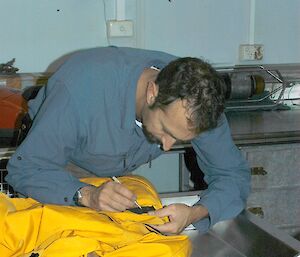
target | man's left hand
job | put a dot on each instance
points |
(180, 216)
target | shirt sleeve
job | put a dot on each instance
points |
(225, 171)
(37, 168)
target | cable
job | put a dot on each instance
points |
(105, 23)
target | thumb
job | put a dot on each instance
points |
(160, 212)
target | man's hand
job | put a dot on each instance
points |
(110, 196)
(180, 216)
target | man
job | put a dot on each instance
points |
(87, 115)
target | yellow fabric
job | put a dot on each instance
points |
(29, 227)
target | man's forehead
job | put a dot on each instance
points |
(177, 121)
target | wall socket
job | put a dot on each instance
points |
(120, 28)
(251, 52)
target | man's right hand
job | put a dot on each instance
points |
(110, 196)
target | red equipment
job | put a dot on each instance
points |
(13, 107)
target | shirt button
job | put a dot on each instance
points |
(66, 199)
(19, 158)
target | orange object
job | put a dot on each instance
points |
(13, 107)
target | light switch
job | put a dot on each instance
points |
(120, 28)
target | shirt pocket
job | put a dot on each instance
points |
(106, 164)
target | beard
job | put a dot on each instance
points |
(150, 137)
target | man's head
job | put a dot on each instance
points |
(195, 81)
(186, 99)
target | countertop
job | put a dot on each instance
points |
(244, 236)
(264, 127)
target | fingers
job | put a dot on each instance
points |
(163, 212)
(177, 214)
(113, 196)
(167, 229)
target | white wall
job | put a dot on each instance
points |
(215, 28)
(278, 28)
(38, 32)
(205, 28)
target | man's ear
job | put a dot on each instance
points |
(152, 92)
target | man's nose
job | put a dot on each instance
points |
(167, 142)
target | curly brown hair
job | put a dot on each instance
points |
(199, 83)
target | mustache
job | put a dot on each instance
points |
(149, 136)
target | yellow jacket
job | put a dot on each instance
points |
(31, 229)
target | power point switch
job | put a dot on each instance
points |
(120, 28)
(251, 52)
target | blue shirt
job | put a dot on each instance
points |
(86, 115)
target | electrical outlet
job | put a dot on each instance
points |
(252, 52)
(120, 28)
